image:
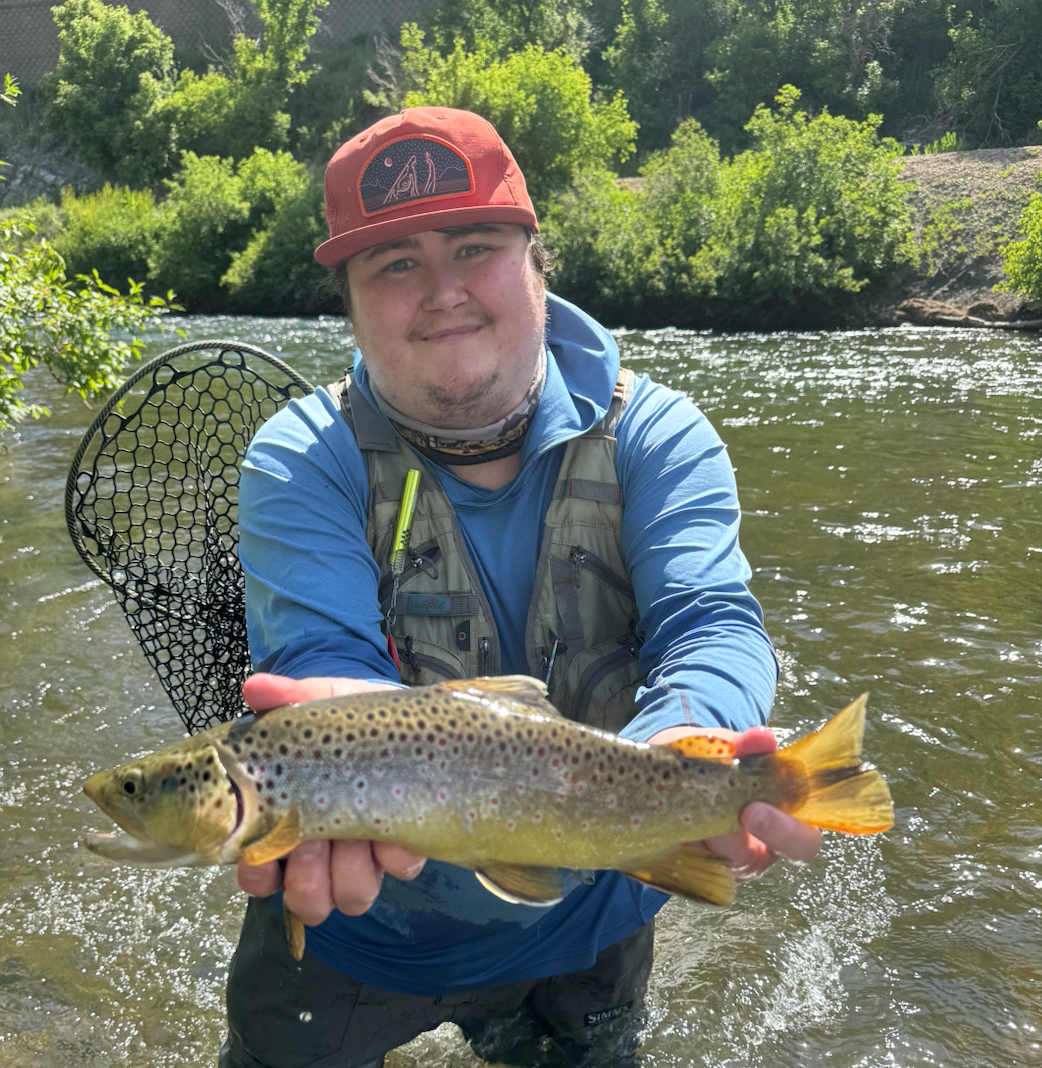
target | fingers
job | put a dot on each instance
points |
(782, 834)
(398, 861)
(344, 874)
(260, 880)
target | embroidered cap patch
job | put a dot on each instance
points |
(412, 169)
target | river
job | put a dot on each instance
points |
(890, 481)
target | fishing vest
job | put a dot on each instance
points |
(581, 635)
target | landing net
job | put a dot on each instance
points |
(151, 503)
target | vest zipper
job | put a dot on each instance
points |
(418, 661)
(583, 559)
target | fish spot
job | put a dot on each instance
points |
(263, 734)
(284, 795)
(442, 795)
(360, 802)
(360, 784)
(326, 739)
(535, 773)
(610, 801)
(349, 737)
(493, 800)
(270, 784)
(338, 753)
(536, 817)
(510, 825)
(283, 750)
(634, 821)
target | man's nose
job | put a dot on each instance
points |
(444, 289)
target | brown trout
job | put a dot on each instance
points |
(482, 773)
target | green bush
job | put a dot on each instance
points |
(1022, 258)
(540, 102)
(211, 212)
(816, 208)
(626, 251)
(276, 274)
(113, 70)
(110, 231)
(76, 327)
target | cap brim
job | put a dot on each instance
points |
(337, 249)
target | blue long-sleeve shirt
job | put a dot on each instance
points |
(313, 609)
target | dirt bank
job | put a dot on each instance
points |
(967, 206)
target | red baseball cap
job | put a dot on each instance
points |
(418, 170)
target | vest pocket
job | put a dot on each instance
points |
(600, 684)
(424, 663)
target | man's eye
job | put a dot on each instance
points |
(397, 266)
(472, 250)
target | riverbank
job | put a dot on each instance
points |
(967, 205)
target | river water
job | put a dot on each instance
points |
(891, 487)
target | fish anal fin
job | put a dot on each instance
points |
(704, 747)
(294, 933)
(841, 793)
(687, 871)
(283, 837)
(522, 884)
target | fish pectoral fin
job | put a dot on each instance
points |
(522, 884)
(686, 871)
(283, 837)
(704, 747)
(522, 688)
(294, 933)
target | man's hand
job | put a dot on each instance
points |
(767, 832)
(320, 876)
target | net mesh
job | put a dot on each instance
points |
(152, 506)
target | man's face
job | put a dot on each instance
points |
(450, 323)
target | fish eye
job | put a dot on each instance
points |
(133, 783)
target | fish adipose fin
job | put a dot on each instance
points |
(522, 884)
(283, 837)
(842, 793)
(687, 871)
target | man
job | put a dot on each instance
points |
(572, 523)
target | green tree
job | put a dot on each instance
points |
(992, 85)
(113, 70)
(829, 49)
(658, 61)
(507, 26)
(540, 102)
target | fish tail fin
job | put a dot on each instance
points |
(842, 793)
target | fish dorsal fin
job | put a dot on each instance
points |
(283, 837)
(687, 871)
(704, 747)
(522, 884)
(523, 688)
